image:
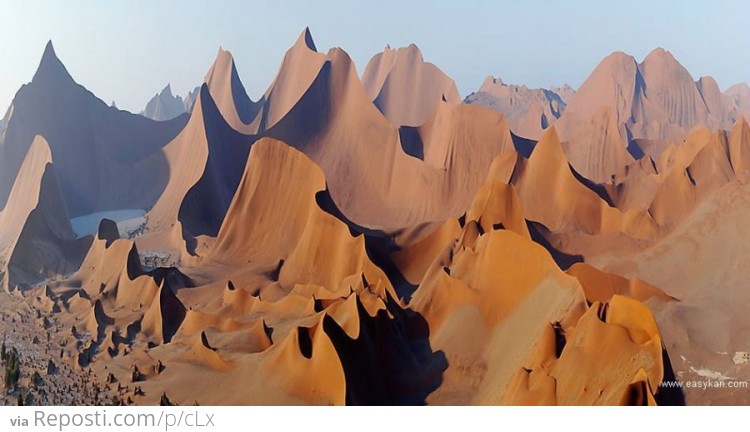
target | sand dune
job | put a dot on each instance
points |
(702, 263)
(517, 330)
(376, 241)
(300, 66)
(405, 88)
(597, 150)
(369, 175)
(529, 111)
(655, 100)
(37, 240)
(318, 105)
(688, 192)
(552, 195)
(207, 157)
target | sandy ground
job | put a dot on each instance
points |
(24, 329)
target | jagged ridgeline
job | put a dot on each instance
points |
(375, 240)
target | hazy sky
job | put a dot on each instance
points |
(127, 51)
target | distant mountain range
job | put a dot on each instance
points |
(165, 106)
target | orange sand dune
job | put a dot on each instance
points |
(405, 88)
(552, 195)
(696, 193)
(529, 111)
(318, 105)
(366, 178)
(304, 309)
(648, 102)
(370, 177)
(374, 241)
(500, 309)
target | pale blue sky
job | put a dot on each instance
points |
(127, 51)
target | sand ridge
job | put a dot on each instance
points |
(374, 240)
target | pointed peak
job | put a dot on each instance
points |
(550, 135)
(306, 38)
(223, 57)
(49, 50)
(223, 54)
(549, 146)
(166, 91)
(50, 65)
(223, 62)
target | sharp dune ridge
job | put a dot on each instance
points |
(377, 240)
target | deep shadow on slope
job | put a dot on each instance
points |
(378, 245)
(524, 146)
(669, 395)
(206, 203)
(390, 363)
(105, 158)
(411, 141)
(538, 234)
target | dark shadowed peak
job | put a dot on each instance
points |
(306, 38)
(50, 67)
(108, 231)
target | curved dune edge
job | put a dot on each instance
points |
(405, 88)
(298, 330)
(515, 329)
(322, 251)
(287, 299)
(37, 241)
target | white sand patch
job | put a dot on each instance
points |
(708, 373)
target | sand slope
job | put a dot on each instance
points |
(529, 111)
(517, 330)
(374, 241)
(405, 88)
(37, 241)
